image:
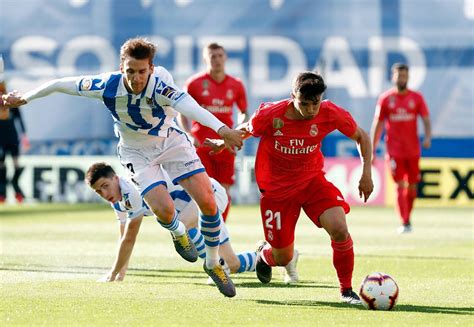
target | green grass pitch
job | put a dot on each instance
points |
(52, 255)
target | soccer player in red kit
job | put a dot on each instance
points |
(399, 108)
(217, 92)
(290, 176)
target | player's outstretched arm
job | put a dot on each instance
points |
(366, 186)
(217, 145)
(191, 109)
(124, 252)
(65, 85)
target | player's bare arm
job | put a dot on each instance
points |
(125, 249)
(427, 138)
(366, 186)
(375, 134)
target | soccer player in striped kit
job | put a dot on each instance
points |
(141, 97)
(130, 209)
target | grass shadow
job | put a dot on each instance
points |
(399, 308)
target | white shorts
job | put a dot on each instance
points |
(144, 161)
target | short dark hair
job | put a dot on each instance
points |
(399, 66)
(97, 171)
(309, 84)
(138, 48)
(211, 46)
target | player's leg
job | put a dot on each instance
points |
(224, 172)
(329, 212)
(149, 180)
(398, 171)
(279, 219)
(184, 167)
(3, 175)
(19, 195)
(413, 179)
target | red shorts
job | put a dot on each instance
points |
(405, 169)
(279, 217)
(219, 166)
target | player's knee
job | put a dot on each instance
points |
(207, 204)
(339, 234)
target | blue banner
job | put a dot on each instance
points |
(352, 42)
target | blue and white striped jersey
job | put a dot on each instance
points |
(132, 205)
(147, 113)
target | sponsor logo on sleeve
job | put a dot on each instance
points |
(92, 84)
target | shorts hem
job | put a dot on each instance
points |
(188, 174)
(148, 189)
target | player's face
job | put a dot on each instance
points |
(136, 73)
(400, 79)
(108, 188)
(215, 59)
(306, 108)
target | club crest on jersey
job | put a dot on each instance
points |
(411, 104)
(149, 101)
(86, 84)
(313, 130)
(270, 235)
(126, 201)
(230, 94)
(277, 123)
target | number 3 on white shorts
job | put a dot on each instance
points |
(269, 220)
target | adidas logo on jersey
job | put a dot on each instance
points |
(278, 133)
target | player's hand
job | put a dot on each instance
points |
(232, 137)
(427, 142)
(366, 187)
(216, 145)
(25, 143)
(13, 100)
(110, 277)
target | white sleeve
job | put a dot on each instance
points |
(121, 217)
(63, 85)
(190, 108)
(137, 206)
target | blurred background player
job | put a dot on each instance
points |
(12, 135)
(217, 92)
(290, 176)
(398, 109)
(130, 209)
(141, 97)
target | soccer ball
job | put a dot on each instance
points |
(379, 291)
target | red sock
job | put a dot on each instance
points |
(268, 255)
(226, 211)
(343, 261)
(411, 196)
(402, 204)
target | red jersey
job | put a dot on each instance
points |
(400, 112)
(218, 98)
(289, 154)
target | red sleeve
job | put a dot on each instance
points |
(241, 97)
(258, 123)
(345, 123)
(422, 107)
